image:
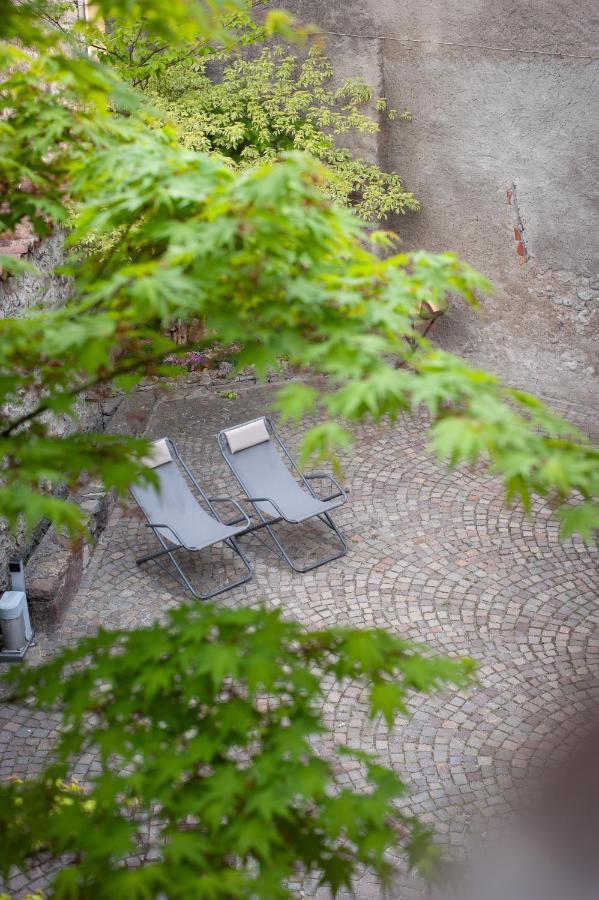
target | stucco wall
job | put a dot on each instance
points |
(503, 152)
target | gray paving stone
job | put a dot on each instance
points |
(435, 556)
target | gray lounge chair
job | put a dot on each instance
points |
(251, 451)
(183, 521)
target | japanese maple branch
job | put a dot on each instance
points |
(45, 405)
(91, 383)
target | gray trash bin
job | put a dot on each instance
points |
(14, 620)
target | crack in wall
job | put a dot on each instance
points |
(519, 231)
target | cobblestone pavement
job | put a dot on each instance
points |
(435, 556)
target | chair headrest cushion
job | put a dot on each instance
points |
(159, 454)
(248, 435)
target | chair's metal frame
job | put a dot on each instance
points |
(170, 551)
(268, 523)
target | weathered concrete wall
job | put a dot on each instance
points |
(503, 152)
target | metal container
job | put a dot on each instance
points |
(14, 620)
(16, 570)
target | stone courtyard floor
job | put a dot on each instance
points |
(435, 556)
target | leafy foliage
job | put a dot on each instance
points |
(255, 109)
(209, 733)
(206, 726)
(263, 258)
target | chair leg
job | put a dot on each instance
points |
(280, 547)
(182, 578)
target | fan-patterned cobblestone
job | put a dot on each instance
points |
(435, 556)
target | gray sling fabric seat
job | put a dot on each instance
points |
(180, 521)
(263, 467)
(261, 470)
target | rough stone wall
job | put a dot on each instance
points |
(43, 288)
(18, 295)
(46, 290)
(503, 152)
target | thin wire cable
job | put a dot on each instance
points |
(402, 40)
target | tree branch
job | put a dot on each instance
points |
(103, 49)
(126, 369)
(133, 43)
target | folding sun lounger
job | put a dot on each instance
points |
(251, 453)
(183, 521)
